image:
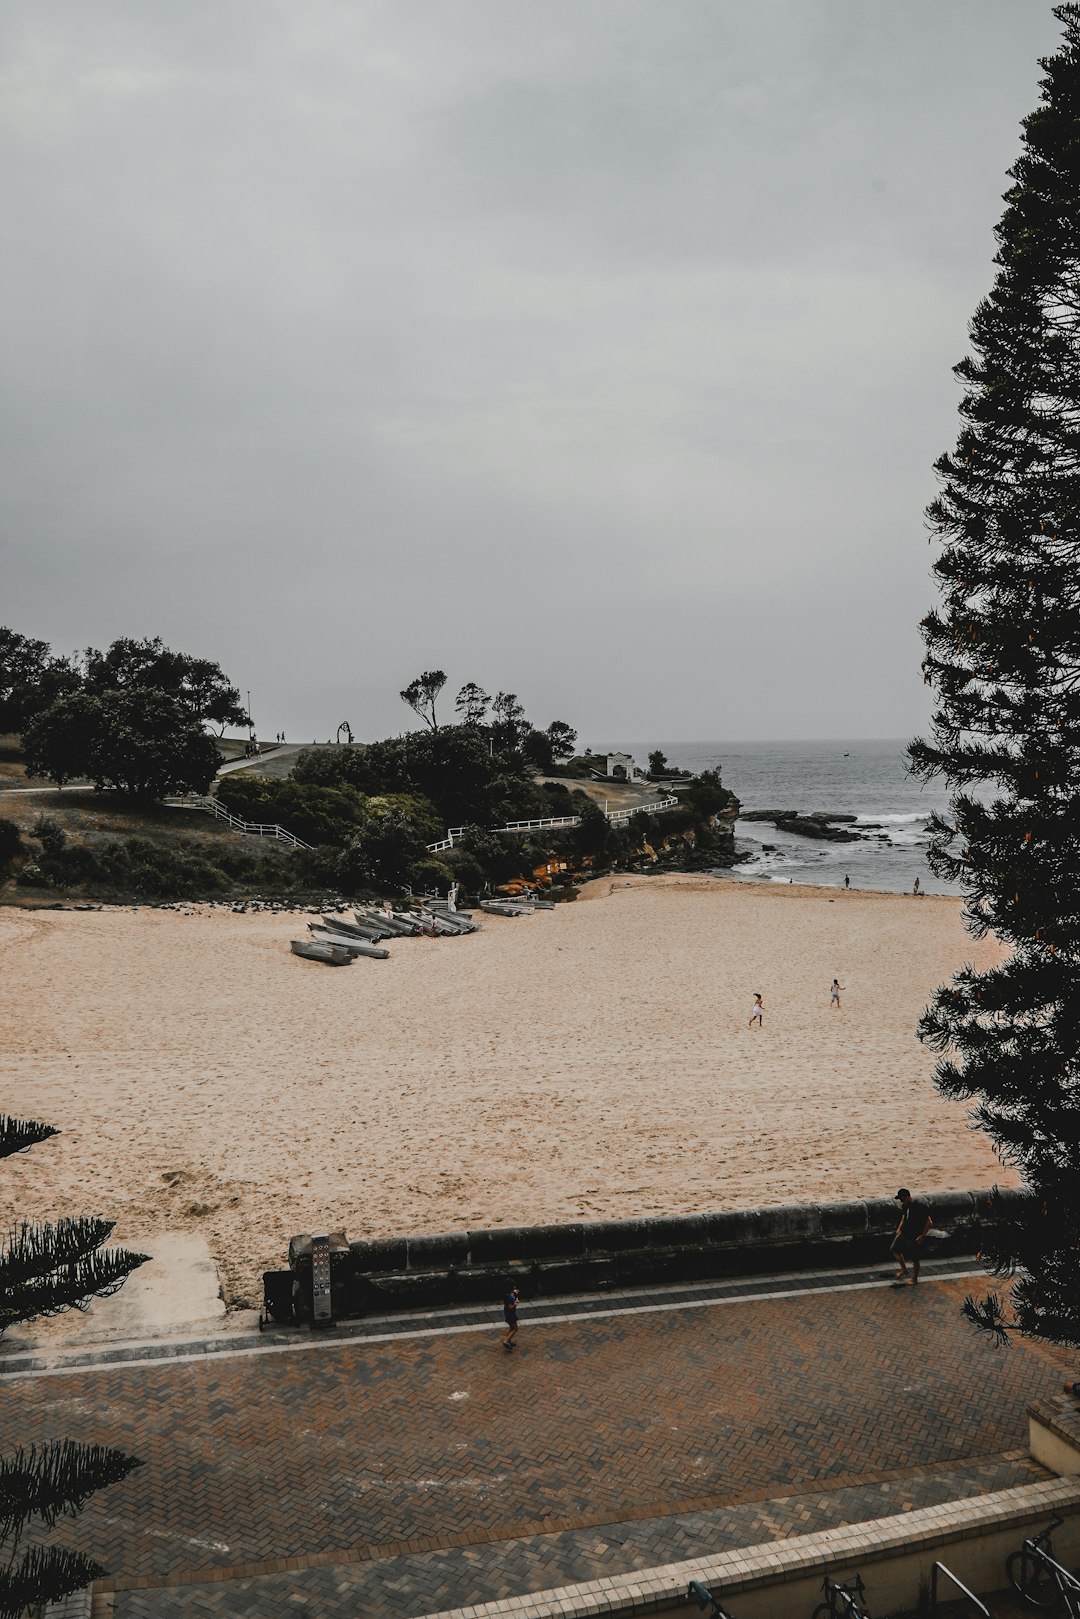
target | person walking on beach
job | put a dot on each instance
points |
(755, 1015)
(915, 890)
(915, 1222)
(510, 1307)
(847, 882)
(834, 999)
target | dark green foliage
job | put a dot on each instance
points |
(140, 740)
(317, 814)
(704, 796)
(1003, 657)
(141, 869)
(50, 1480)
(197, 684)
(16, 1135)
(562, 738)
(49, 833)
(536, 746)
(10, 843)
(456, 769)
(472, 704)
(43, 1574)
(45, 1269)
(30, 678)
(420, 695)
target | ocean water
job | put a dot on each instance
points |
(869, 779)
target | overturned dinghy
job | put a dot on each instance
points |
(504, 907)
(348, 942)
(388, 926)
(313, 950)
(354, 930)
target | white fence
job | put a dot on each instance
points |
(616, 817)
(258, 829)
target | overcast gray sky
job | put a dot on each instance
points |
(596, 350)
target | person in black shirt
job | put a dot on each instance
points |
(915, 1222)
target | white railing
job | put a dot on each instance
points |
(258, 829)
(455, 833)
(649, 809)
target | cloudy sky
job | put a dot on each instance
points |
(597, 350)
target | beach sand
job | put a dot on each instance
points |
(592, 1060)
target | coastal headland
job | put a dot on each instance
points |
(594, 1060)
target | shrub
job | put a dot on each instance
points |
(10, 843)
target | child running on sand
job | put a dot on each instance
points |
(755, 1015)
(834, 999)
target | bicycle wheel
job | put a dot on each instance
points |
(822, 1611)
(1032, 1579)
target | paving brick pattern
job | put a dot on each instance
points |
(406, 1587)
(371, 1451)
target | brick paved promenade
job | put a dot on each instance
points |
(403, 1469)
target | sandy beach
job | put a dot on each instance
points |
(593, 1060)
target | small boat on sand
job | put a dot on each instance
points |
(360, 930)
(504, 907)
(347, 942)
(311, 950)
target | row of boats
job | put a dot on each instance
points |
(337, 941)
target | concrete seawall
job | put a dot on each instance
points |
(465, 1267)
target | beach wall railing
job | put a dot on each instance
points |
(461, 1267)
(551, 822)
(258, 829)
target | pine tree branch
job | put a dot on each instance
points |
(36, 1248)
(44, 1574)
(17, 1135)
(95, 1276)
(53, 1479)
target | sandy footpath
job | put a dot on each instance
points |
(593, 1060)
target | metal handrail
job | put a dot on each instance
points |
(960, 1586)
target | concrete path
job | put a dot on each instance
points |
(393, 1477)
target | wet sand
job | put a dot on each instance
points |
(594, 1060)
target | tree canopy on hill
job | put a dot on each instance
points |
(131, 717)
(30, 678)
(142, 741)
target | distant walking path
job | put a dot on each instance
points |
(430, 1470)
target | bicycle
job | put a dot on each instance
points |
(842, 1601)
(705, 1599)
(1039, 1577)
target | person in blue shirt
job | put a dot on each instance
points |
(510, 1305)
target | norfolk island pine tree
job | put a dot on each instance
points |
(1003, 659)
(45, 1269)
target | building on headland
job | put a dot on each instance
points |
(624, 767)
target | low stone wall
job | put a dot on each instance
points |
(469, 1267)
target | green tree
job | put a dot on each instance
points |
(45, 1269)
(197, 684)
(562, 738)
(138, 739)
(420, 695)
(1003, 658)
(509, 727)
(30, 678)
(657, 762)
(472, 703)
